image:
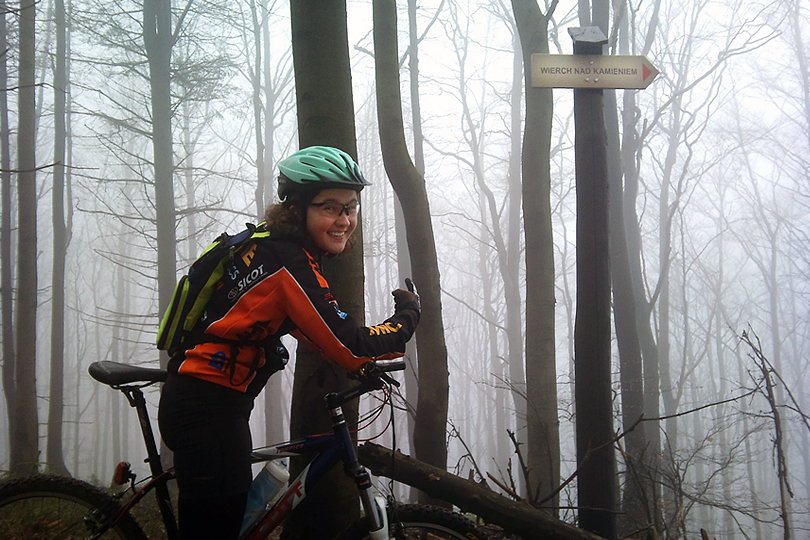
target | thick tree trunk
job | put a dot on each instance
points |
(513, 517)
(6, 274)
(432, 404)
(24, 441)
(541, 373)
(624, 310)
(411, 376)
(158, 42)
(637, 485)
(596, 484)
(325, 117)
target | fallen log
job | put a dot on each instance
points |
(514, 517)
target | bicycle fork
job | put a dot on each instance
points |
(373, 507)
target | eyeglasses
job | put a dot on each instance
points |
(335, 209)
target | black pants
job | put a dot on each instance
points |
(206, 426)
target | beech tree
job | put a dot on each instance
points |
(432, 404)
(61, 217)
(24, 420)
(158, 39)
(6, 266)
(325, 117)
(541, 372)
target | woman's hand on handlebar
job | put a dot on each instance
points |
(379, 369)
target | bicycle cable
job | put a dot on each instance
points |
(392, 500)
(373, 415)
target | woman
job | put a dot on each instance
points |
(274, 287)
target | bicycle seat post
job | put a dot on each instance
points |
(138, 402)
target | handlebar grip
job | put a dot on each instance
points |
(393, 364)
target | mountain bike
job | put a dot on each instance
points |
(46, 506)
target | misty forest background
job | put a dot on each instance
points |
(710, 190)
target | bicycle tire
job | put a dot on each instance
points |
(412, 521)
(44, 507)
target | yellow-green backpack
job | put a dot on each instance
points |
(194, 290)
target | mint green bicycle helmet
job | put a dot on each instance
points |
(316, 168)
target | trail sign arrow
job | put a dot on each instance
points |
(591, 71)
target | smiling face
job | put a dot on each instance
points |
(332, 218)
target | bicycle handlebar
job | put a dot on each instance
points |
(372, 376)
(385, 366)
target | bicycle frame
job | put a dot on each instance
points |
(330, 449)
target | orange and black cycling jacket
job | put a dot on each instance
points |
(275, 287)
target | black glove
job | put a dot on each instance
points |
(406, 299)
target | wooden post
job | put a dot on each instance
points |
(596, 483)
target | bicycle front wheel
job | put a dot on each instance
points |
(53, 507)
(415, 521)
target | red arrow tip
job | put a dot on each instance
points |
(645, 72)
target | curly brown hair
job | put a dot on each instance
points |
(288, 219)
(285, 222)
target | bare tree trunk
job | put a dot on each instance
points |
(514, 327)
(116, 347)
(325, 117)
(498, 367)
(275, 405)
(259, 22)
(638, 485)
(431, 410)
(750, 450)
(158, 42)
(77, 378)
(273, 91)
(6, 274)
(719, 412)
(54, 456)
(24, 452)
(403, 255)
(782, 472)
(515, 517)
(630, 148)
(541, 374)
(188, 145)
(596, 481)
(624, 309)
(665, 215)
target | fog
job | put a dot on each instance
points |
(721, 146)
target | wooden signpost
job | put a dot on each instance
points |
(588, 72)
(591, 71)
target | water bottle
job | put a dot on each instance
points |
(265, 489)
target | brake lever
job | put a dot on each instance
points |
(369, 372)
(390, 380)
